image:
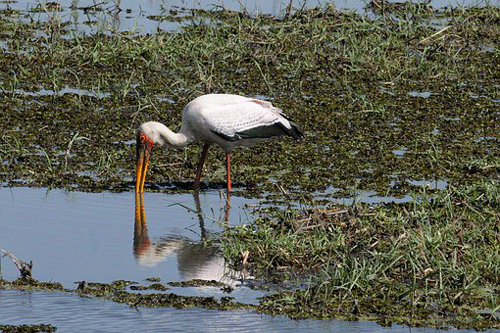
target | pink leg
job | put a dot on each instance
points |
(200, 166)
(228, 171)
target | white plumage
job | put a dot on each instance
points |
(223, 119)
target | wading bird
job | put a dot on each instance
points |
(223, 119)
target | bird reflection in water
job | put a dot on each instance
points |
(195, 260)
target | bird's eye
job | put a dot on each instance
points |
(142, 138)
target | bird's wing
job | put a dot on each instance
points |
(249, 119)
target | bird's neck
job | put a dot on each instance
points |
(166, 137)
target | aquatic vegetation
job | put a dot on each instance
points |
(28, 328)
(117, 292)
(72, 105)
(432, 262)
(153, 286)
(30, 284)
(197, 283)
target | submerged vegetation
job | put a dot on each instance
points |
(409, 95)
(117, 291)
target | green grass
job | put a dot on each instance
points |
(434, 261)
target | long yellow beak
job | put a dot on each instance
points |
(143, 152)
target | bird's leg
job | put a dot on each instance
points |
(228, 171)
(200, 166)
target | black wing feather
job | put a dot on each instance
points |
(264, 132)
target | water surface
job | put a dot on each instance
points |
(74, 236)
(72, 313)
(98, 237)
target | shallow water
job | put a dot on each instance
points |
(101, 237)
(91, 16)
(74, 236)
(72, 313)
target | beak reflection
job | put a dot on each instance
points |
(195, 259)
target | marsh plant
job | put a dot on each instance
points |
(433, 261)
